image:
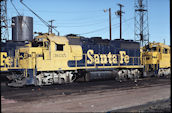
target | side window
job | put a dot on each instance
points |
(59, 47)
(165, 51)
(46, 44)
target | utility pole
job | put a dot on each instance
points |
(51, 26)
(4, 22)
(1, 20)
(141, 22)
(119, 13)
(110, 29)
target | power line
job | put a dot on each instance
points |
(64, 12)
(15, 7)
(82, 25)
(127, 27)
(78, 19)
(85, 25)
(38, 16)
(104, 28)
(20, 15)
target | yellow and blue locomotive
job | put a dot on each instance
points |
(156, 58)
(50, 59)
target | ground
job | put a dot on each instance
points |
(89, 97)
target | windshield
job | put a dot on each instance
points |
(37, 44)
(153, 49)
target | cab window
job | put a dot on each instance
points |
(59, 47)
(153, 49)
(165, 51)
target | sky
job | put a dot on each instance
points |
(87, 17)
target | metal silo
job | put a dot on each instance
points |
(22, 28)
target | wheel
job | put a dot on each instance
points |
(37, 82)
(61, 81)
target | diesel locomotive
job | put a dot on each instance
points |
(156, 58)
(50, 59)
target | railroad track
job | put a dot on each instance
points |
(33, 93)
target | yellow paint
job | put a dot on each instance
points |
(106, 58)
(156, 54)
(96, 57)
(3, 58)
(89, 53)
(114, 59)
(6, 61)
(54, 52)
(123, 57)
(50, 59)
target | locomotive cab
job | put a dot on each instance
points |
(156, 57)
(41, 62)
